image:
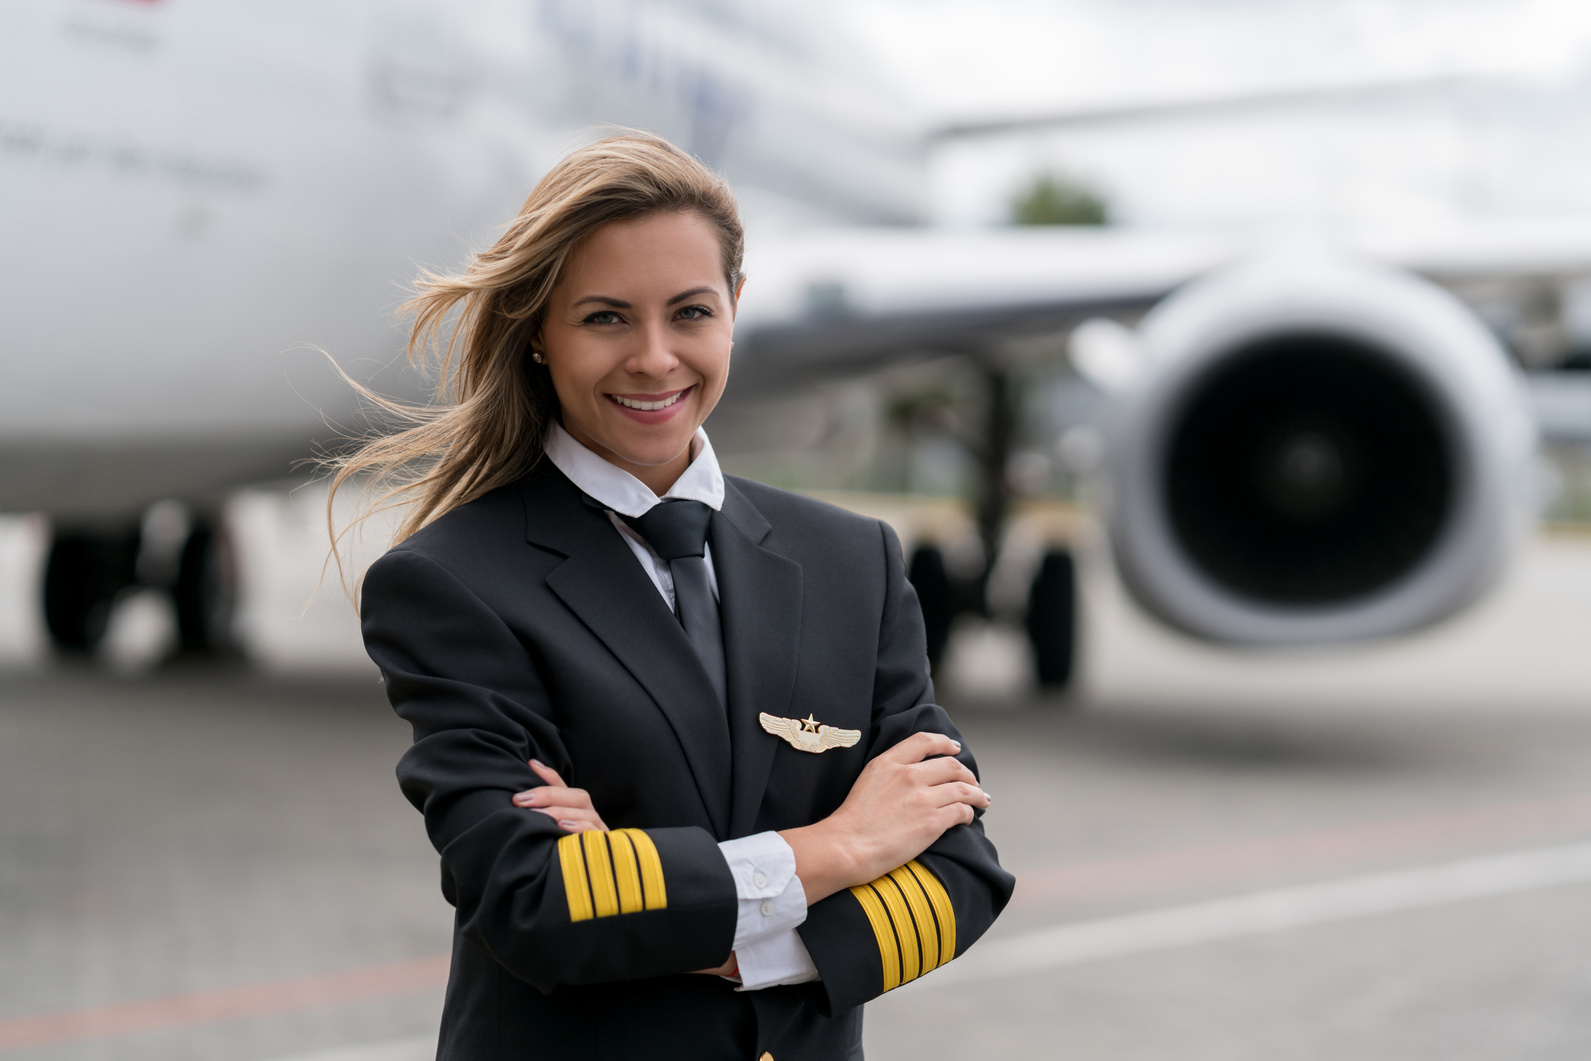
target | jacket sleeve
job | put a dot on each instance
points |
(551, 907)
(874, 937)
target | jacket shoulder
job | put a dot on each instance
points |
(794, 515)
(472, 530)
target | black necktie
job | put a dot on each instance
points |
(677, 532)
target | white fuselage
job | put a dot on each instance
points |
(198, 198)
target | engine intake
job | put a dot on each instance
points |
(1317, 451)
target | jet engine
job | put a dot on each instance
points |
(1315, 450)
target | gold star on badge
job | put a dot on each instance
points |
(809, 724)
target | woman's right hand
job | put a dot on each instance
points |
(902, 803)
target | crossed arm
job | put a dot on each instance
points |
(896, 880)
(903, 801)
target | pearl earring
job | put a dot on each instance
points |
(535, 356)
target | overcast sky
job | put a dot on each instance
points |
(1516, 140)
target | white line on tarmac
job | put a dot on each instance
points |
(1270, 911)
(417, 1048)
(1180, 926)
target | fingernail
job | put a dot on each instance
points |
(573, 827)
(523, 798)
(957, 744)
(538, 762)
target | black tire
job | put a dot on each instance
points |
(928, 577)
(1052, 619)
(82, 578)
(205, 592)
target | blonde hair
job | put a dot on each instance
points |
(488, 423)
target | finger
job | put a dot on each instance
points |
(942, 770)
(546, 773)
(920, 746)
(954, 814)
(960, 792)
(545, 796)
(548, 795)
(561, 815)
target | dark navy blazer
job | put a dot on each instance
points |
(520, 625)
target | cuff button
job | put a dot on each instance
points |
(766, 906)
(760, 881)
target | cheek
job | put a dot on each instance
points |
(573, 366)
(711, 361)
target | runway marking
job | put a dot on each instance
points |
(1106, 877)
(203, 1007)
(1499, 824)
(1268, 911)
(415, 1048)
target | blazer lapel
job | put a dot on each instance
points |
(759, 595)
(602, 583)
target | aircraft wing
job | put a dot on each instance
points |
(851, 301)
(855, 300)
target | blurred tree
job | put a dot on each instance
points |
(1052, 199)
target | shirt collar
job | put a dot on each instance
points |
(615, 488)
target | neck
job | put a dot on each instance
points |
(657, 477)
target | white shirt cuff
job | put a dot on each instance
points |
(778, 959)
(771, 899)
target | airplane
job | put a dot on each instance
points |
(1306, 444)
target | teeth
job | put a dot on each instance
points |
(631, 403)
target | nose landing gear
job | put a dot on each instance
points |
(1050, 621)
(90, 569)
(85, 573)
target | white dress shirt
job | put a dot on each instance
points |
(771, 900)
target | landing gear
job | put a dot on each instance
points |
(935, 595)
(205, 591)
(1052, 619)
(83, 576)
(88, 570)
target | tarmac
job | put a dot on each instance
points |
(1378, 852)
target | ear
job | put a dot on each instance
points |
(734, 306)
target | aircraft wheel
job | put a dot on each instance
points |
(205, 591)
(928, 577)
(1052, 619)
(82, 577)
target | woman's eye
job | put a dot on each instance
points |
(606, 316)
(694, 313)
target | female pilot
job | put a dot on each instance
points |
(674, 734)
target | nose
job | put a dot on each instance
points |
(654, 358)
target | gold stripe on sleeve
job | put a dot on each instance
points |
(599, 866)
(575, 888)
(651, 870)
(626, 872)
(910, 949)
(878, 917)
(940, 900)
(927, 931)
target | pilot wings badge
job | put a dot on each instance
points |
(807, 734)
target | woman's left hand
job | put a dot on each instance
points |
(570, 807)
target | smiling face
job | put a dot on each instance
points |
(636, 339)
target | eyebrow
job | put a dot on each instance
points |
(619, 303)
(692, 293)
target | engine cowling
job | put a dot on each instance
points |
(1317, 450)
